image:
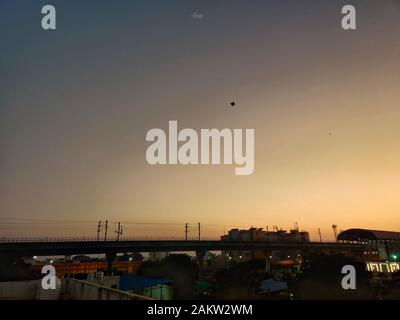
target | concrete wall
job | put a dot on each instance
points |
(84, 290)
(72, 289)
(29, 290)
(18, 290)
(111, 281)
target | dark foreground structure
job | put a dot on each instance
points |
(379, 245)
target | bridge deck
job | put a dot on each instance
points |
(71, 247)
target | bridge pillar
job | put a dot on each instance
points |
(268, 260)
(200, 260)
(110, 257)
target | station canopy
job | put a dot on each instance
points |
(368, 235)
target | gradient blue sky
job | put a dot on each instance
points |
(76, 103)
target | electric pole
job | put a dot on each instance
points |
(98, 230)
(199, 232)
(119, 230)
(186, 230)
(320, 237)
(105, 231)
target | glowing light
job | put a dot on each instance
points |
(388, 267)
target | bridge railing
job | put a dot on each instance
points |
(94, 239)
(5, 240)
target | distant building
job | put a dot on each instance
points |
(293, 235)
(380, 245)
(75, 268)
(364, 235)
(258, 234)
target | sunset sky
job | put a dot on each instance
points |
(76, 104)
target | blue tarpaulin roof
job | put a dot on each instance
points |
(135, 282)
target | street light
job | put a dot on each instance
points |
(129, 263)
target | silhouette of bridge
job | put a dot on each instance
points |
(71, 246)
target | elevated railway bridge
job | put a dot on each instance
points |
(29, 247)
